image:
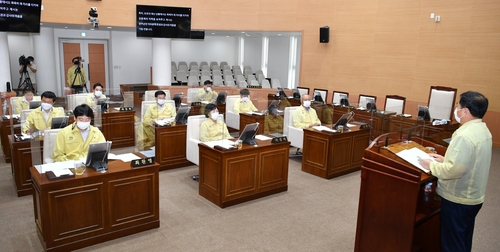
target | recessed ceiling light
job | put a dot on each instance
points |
(65, 27)
(279, 34)
(91, 29)
(213, 33)
(84, 34)
(109, 27)
(227, 36)
(242, 32)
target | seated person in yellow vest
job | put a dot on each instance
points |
(72, 142)
(273, 123)
(328, 114)
(77, 78)
(24, 103)
(146, 130)
(244, 104)
(305, 116)
(206, 94)
(92, 97)
(40, 118)
(213, 129)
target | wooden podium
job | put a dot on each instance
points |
(394, 212)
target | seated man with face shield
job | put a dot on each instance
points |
(146, 130)
(72, 142)
(244, 104)
(273, 123)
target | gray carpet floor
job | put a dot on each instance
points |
(315, 214)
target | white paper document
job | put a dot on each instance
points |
(227, 144)
(57, 167)
(262, 137)
(127, 157)
(412, 155)
(321, 128)
(163, 122)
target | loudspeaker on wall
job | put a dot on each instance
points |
(324, 34)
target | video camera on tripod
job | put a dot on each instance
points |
(24, 61)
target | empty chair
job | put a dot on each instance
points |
(193, 138)
(226, 67)
(253, 83)
(215, 67)
(183, 68)
(247, 68)
(242, 84)
(260, 78)
(303, 90)
(181, 64)
(441, 102)
(205, 73)
(395, 103)
(173, 71)
(212, 64)
(239, 78)
(294, 135)
(228, 77)
(237, 72)
(216, 73)
(204, 63)
(232, 118)
(205, 67)
(203, 79)
(217, 81)
(259, 72)
(49, 140)
(181, 77)
(320, 95)
(172, 78)
(364, 99)
(193, 81)
(236, 68)
(194, 68)
(194, 73)
(222, 63)
(230, 83)
(193, 64)
(173, 65)
(247, 73)
(227, 72)
(251, 78)
(337, 95)
(265, 84)
(275, 83)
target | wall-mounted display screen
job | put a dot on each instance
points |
(20, 15)
(163, 22)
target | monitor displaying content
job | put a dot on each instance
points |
(182, 115)
(296, 94)
(221, 97)
(344, 101)
(370, 104)
(280, 92)
(177, 99)
(274, 105)
(423, 113)
(97, 156)
(248, 134)
(59, 122)
(343, 120)
(35, 104)
(317, 97)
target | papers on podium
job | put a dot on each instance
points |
(413, 155)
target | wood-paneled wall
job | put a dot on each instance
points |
(376, 47)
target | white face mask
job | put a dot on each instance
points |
(161, 101)
(215, 116)
(244, 99)
(98, 93)
(46, 106)
(83, 125)
(455, 113)
(209, 89)
(307, 104)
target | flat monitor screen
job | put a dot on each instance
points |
(343, 120)
(163, 22)
(273, 106)
(423, 113)
(248, 134)
(97, 156)
(318, 97)
(59, 122)
(20, 16)
(221, 97)
(35, 104)
(177, 99)
(296, 94)
(182, 115)
(281, 92)
(370, 104)
(103, 103)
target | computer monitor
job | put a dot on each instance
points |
(248, 134)
(274, 105)
(344, 101)
(343, 120)
(97, 156)
(370, 104)
(423, 113)
(280, 92)
(296, 94)
(221, 97)
(177, 99)
(182, 115)
(35, 104)
(59, 122)
(103, 102)
(318, 97)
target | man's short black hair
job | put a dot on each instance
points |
(83, 110)
(475, 102)
(50, 95)
(244, 92)
(97, 85)
(207, 82)
(160, 92)
(209, 109)
(30, 58)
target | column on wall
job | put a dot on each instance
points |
(44, 54)
(161, 62)
(4, 62)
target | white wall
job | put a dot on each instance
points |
(19, 44)
(277, 66)
(253, 53)
(210, 49)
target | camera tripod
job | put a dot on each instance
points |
(77, 89)
(26, 84)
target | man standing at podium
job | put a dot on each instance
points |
(463, 173)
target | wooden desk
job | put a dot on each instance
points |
(329, 155)
(235, 176)
(394, 212)
(21, 151)
(251, 118)
(118, 127)
(200, 109)
(95, 207)
(291, 101)
(170, 148)
(434, 133)
(379, 121)
(5, 131)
